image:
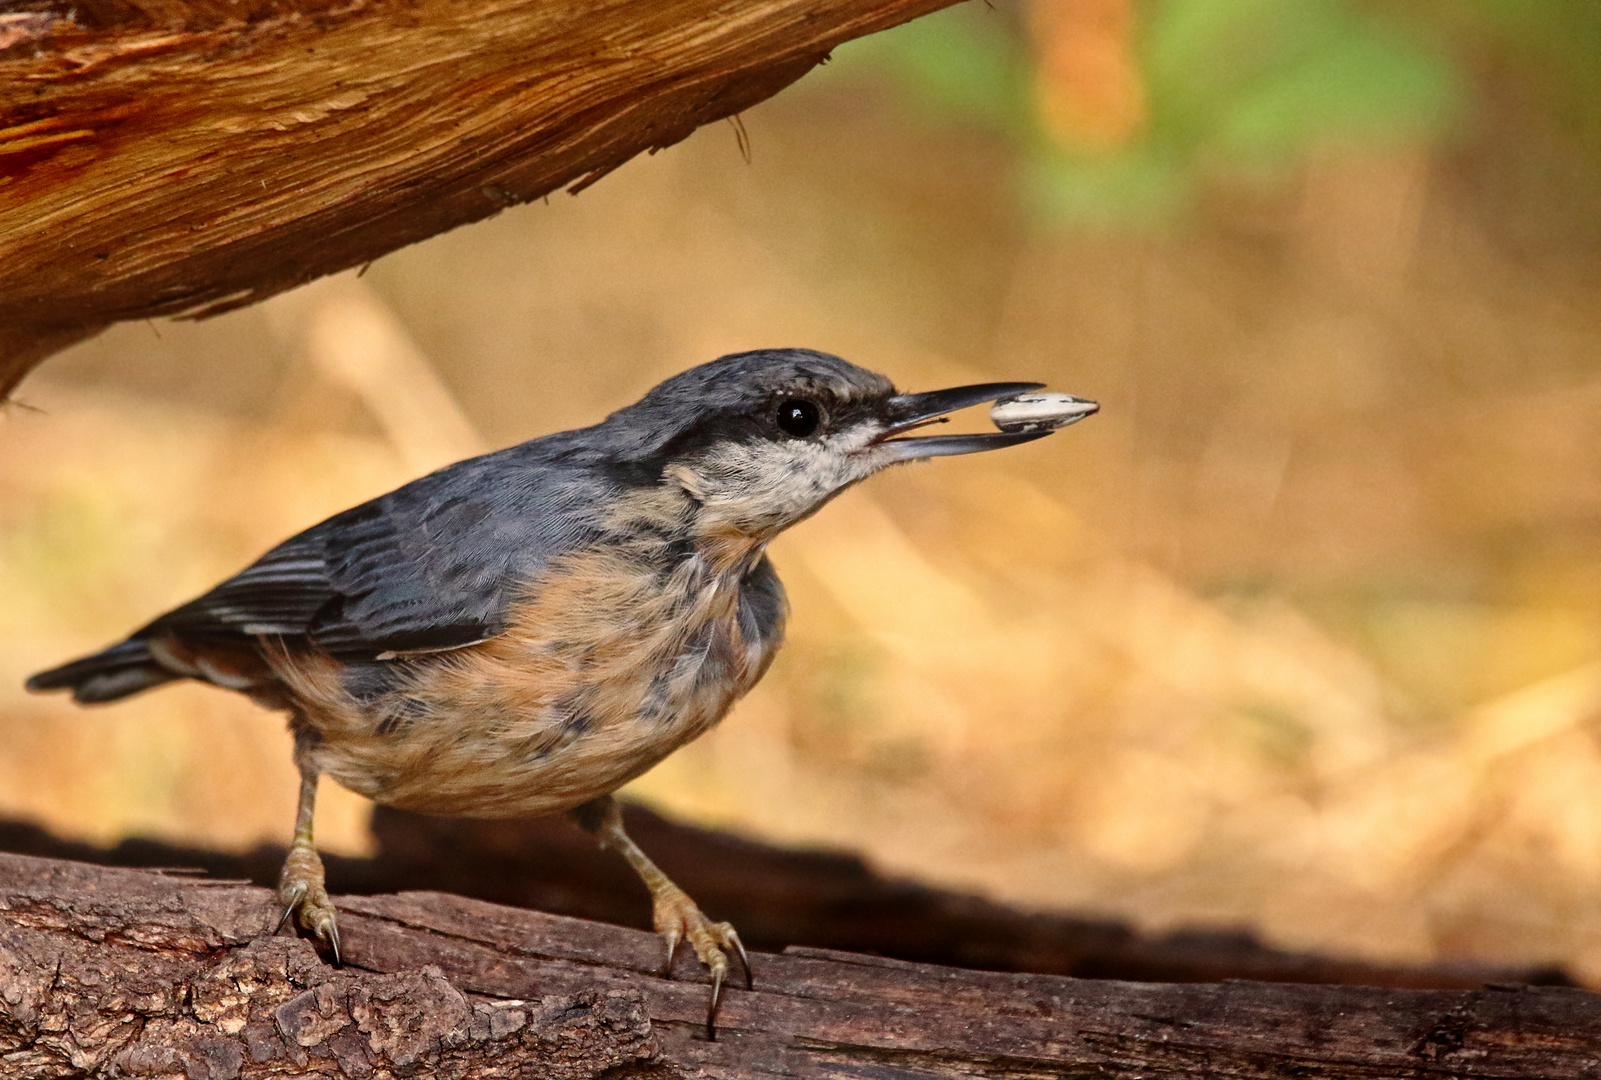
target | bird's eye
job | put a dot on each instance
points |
(798, 417)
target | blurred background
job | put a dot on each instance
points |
(1302, 633)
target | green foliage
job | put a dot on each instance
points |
(1549, 48)
(963, 65)
(1232, 86)
(952, 64)
(1262, 81)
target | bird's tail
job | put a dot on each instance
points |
(113, 673)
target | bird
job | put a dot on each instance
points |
(526, 631)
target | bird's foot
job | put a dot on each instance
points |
(301, 892)
(679, 918)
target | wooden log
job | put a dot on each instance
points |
(166, 157)
(121, 972)
(777, 897)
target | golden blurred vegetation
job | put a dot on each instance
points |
(1302, 632)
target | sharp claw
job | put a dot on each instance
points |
(332, 937)
(731, 937)
(299, 893)
(711, 1011)
(674, 936)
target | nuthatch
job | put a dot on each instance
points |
(527, 631)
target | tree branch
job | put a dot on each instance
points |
(164, 157)
(777, 897)
(110, 971)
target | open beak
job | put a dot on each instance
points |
(909, 411)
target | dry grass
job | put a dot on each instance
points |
(1302, 632)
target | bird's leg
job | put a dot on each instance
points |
(300, 883)
(676, 916)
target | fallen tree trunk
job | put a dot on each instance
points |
(122, 972)
(777, 897)
(162, 157)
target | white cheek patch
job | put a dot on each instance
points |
(770, 485)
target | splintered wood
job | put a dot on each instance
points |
(198, 155)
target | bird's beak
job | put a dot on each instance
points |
(908, 411)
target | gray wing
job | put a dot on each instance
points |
(433, 565)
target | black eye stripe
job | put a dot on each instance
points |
(799, 417)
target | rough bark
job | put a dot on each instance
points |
(122, 972)
(777, 897)
(161, 157)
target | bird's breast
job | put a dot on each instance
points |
(608, 664)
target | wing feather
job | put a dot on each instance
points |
(431, 566)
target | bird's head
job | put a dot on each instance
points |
(762, 439)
